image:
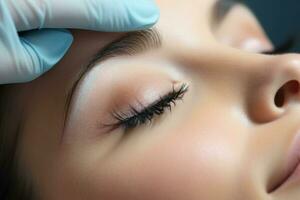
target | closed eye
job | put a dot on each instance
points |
(136, 118)
(131, 44)
(285, 47)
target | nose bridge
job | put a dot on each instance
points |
(259, 83)
(225, 72)
(222, 61)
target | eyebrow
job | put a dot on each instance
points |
(132, 43)
(141, 41)
(222, 8)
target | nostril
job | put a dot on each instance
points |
(293, 87)
(286, 93)
(279, 98)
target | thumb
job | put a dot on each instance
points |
(45, 47)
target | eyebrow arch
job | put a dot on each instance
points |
(132, 43)
(222, 7)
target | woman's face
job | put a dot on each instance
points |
(199, 114)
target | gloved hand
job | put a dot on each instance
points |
(25, 55)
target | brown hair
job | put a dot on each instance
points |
(13, 185)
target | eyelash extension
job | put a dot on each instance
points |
(283, 48)
(147, 114)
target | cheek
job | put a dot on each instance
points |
(181, 167)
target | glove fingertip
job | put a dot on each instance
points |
(49, 47)
(143, 14)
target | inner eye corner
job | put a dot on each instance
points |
(288, 90)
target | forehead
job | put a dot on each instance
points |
(185, 20)
(185, 12)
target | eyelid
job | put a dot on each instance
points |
(136, 117)
(130, 44)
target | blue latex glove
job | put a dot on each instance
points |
(26, 55)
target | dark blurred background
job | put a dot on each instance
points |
(280, 18)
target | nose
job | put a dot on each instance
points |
(276, 89)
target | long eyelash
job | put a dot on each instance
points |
(283, 48)
(147, 114)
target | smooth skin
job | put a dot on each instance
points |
(227, 140)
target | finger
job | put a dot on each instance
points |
(25, 58)
(45, 47)
(99, 15)
(8, 40)
(33, 54)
